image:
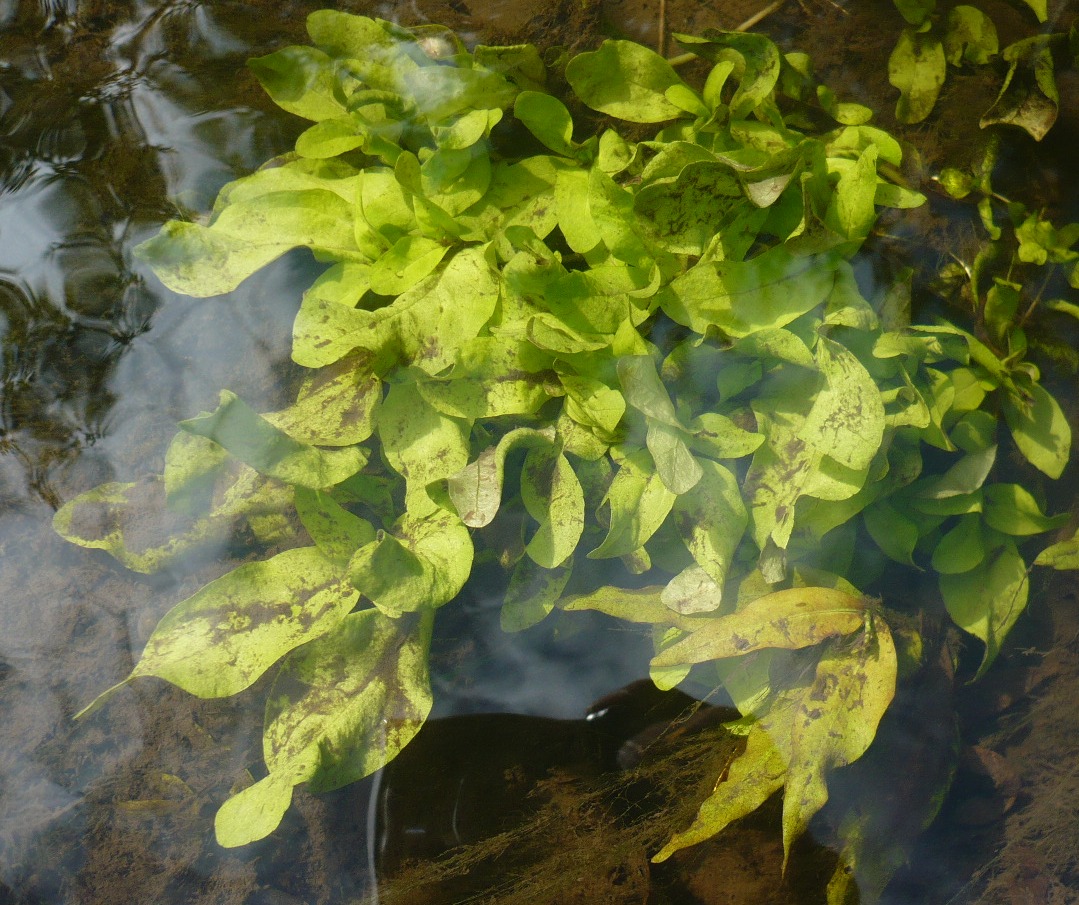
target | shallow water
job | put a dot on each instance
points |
(113, 118)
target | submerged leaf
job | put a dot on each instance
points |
(917, 68)
(988, 599)
(836, 721)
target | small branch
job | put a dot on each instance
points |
(661, 31)
(684, 58)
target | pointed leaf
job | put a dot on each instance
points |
(790, 619)
(220, 640)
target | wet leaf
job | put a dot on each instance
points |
(223, 638)
(476, 490)
(988, 599)
(421, 563)
(335, 406)
(408, 261)
(626, 80)
(256, 442)
(1012, 509)
(420, 443)
(790, 619)
(836, 721)
(1040, 430)
(742, 297)
(1029, 97)
(336, 531)
(350, 701)
(639, 503)
(712, 521)
(962, 548)
(751, 779)
(971, 36)
(425, 325)
(532, 593)
(553, 497)
(247, 235)
(917, 68)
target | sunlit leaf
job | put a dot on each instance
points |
(1040, 430)
(790, 619)
(476, 490)
(421, 563)
(639, 503)
(256, 442)
(1062, 555)
(626, 80)
(753, 776)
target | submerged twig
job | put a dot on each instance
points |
(755, 19)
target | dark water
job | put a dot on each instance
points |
(113, 118)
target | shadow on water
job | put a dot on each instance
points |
(117, 116)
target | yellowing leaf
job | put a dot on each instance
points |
(835, 721)
(752, 778)
(789, 619)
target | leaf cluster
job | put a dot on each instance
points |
(639, 374)
(966, 36)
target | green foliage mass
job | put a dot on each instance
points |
(638, 372)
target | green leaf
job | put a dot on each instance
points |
(962, 548)
(917, 68)
(335, 406)
(1012, 509)
(409, 260)
(1040, 429)
(638, 605)
(846, 421)
(756, 64)
(350, 701)
(425, 325)
(752, 778)
(790, 619)
(553, 497)
(247, 235)
(336, 531)
(625, 80)
(666, 437)
(532, 593)
(988, 599)
(420, 443)
(547, 118)
(971, 36)
(915, 11)
(639, 503)
(301, 81)
(712, 520)
(420, 563)
(892, 531)
(692, 591)
(256, 442)
(966, 476)
(851, 212)
(1029, 97)
(224, 637)
(256, 811)
(1062, 555)
(836, 721)
(742, 297)
(476, 489)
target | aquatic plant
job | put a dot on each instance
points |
(931, 42)
(633, 365)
